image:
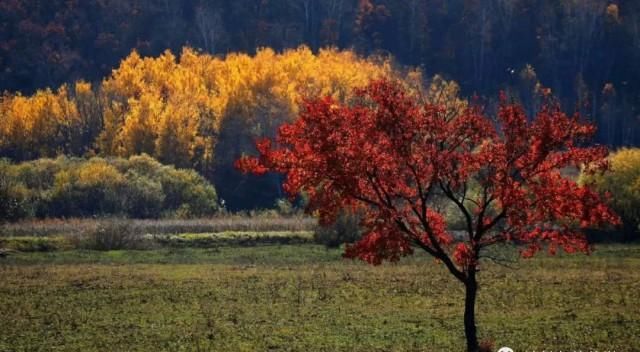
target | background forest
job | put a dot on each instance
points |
(582, 49)
(122, 84)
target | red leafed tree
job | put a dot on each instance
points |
(393, 156)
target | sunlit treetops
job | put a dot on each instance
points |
(173, 107)
(39, 125)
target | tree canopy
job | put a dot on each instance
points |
(137, 187)
(195, 110)
(391, 155)
(581, 49)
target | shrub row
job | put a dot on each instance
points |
(138, 187)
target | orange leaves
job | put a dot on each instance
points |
(164, 103)
(30, 126)
(172, 107)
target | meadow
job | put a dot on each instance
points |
(304, 297)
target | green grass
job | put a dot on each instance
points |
(34, 243)
(243, 238)
(305, 298)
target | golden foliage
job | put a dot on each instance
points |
(621, 182)
(173, 107)
(39, 125)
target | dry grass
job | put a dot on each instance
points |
(57, 227)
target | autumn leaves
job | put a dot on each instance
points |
(172, 108)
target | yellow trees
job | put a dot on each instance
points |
(255, 94)
(89, 106)
(622, 182)
(153, 106)
(174, 108)
(271, 83)
(442, 92)
(48, 123)
(159, 106)
(192, 110)
(40, 125)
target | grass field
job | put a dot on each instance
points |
(230, 222)
(306, 298)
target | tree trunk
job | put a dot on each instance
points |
(470, 331)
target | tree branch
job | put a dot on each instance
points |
(449, 193)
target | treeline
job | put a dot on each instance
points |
(584, 50)
(138, 187)
(193, 111)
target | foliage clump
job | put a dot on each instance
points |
(622, 184)
(191, 110)
(172, 107)
(138, 187)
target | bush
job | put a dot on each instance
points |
(90, 188)
(14, 197)
(188, 192)
(622, 182)
(138, 187)
(141, 164)
(346, 229)
(13, 203)
(110, 235)
(38, 174)
(144, 197)
(285, 208)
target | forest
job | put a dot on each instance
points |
(113, 78)
(192, 111)
(580, 49)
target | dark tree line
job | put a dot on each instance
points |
(585, 51)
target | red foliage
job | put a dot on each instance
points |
(396, 156)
